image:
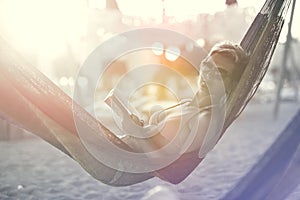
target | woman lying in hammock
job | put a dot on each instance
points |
(34, 103)
(185, 126)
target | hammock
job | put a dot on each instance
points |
(32, 101)
(260, 41)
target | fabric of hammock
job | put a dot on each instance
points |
(260, 41)
(276, 174)
(35, 103)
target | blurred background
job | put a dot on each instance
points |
(56, 36)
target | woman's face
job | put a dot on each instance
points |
(218, 69)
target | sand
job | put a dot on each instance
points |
(32, 169)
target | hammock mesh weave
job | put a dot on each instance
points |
(32, 101)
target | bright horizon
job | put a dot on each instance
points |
(153, 8)
(187, 7)
(20, 23)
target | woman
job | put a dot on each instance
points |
(33, 102)
(184, 128)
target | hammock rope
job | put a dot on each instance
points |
(260, 42)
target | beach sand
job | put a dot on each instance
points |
(32, 169)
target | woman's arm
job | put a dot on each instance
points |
(185, 132)
(187, 147)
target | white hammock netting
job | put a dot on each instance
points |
(32, 101)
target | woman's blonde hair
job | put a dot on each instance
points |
(237, 57)
(233, 52)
